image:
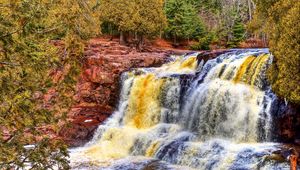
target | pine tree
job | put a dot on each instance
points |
(238, 34)
(183, 20)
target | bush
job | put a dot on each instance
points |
(204, 42)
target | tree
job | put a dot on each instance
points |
(183, 20)
(27, 57)
(279, 20)
(221, 16)
(117, 13)
(283, 30)
(143, 17)
(238, 34)
(148, 19)
(257, 25)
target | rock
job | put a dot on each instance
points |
(98, 90)
(286, 122)
(100, 76)
(84, 120)
(98, 86)
(207, 55)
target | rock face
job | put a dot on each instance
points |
(98, 89)
(98, 85)
(286, 122)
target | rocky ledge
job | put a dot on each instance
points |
(98, 89)
(98, 86)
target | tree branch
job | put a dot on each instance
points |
(10, 33)
(8, 63)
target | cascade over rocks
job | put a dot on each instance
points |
(98, 86)
(196, 111)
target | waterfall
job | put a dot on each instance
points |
(189, 114)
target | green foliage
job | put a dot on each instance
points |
(183, 20)
(263, 6)
(214, 6)
(204, 42)
(238, 33)
(283, 29)
(109, 28)
(280, 21)
(226, 18)
(257, 25)
(144, 17)
(27, 57)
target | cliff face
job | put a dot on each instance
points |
(286, 122)
(98, 86)
(98, 89)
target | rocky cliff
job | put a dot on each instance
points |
(98, 89)
(98, 85)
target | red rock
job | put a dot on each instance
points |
(98, 86)
(101, 77)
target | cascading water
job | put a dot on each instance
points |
(189, 115)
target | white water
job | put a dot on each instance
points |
(183, 116)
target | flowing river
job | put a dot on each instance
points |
(189, 114)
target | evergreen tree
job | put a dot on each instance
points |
(27, 57)
(238, 34)
(283, 29)
(148, 20)
(183, 20)
(220, 16)
(280, 21)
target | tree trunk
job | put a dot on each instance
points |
(175, 40)
(110, 27)
(160, 34)
(238, 6)
(140, 42)
(135, 36)
(122, 38)
(250, 9)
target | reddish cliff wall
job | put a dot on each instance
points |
(98, 86)
(98, 90)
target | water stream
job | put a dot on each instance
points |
(189, 114)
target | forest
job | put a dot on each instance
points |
(39, 38)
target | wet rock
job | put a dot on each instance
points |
(286, 153)
(286, 122)
(98, 86)
(83, 121)
(207, 55)
(155, 165)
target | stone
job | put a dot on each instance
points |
(97, 90)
